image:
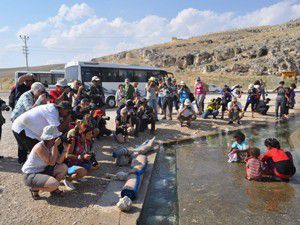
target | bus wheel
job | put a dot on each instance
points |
(111, 102)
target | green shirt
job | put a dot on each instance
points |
(129, 91)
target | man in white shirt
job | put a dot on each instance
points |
(187, 113)
(28, 127)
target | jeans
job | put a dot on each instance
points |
(176, 103)
(253, 103)
(153, 104)
(210, 112)
(280, 102)
(25, 145)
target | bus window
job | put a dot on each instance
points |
(56, 77)
(126, 74)
(141, 76)
(88, 72)
(71, 73)
(44, 78)
(110, 75)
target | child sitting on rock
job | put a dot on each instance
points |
(187, 113)
(239, 148)
(253, 165)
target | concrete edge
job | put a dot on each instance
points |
(108, 211)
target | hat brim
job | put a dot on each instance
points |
(47, 137)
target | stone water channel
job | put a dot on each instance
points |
(194, 184)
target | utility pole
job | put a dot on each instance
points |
(25, 38)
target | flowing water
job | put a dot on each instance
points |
(209, 190)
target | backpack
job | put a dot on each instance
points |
(12, 97)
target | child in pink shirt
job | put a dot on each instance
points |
(253, 165)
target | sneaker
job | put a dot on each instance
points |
(69, 185)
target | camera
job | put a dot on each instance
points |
(65, 140)
(3, 106)
(105, 118)
(93, 159)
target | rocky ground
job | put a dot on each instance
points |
(17, 206)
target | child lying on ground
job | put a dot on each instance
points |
(253, 165)
(239, 148)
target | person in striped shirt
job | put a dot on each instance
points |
(253, 165)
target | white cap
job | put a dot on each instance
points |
(182, 82)
(62, 83)
(251, 86)
(50, 132)
(95, 78)
(152, 79)
(187, 102)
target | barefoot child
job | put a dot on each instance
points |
(253, 165)
(239, 147)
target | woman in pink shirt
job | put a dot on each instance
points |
(199, 91)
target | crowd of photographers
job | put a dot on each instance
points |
(55, 131)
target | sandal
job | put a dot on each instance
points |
(57, 193)
(35, 194)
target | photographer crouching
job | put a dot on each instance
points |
(123, 126)
(44, 168)
(146, 115)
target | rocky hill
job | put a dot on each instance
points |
(256, 51)
(235, 56)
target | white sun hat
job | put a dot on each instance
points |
(50, 132)
(95, 78)
(62, 83)
(182, 83)
(187, 102)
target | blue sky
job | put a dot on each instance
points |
(62, 31)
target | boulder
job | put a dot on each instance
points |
(224, 54)
(202, 58)
(210, 68)
(240, 68)
(263, 51)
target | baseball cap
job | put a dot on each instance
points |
(64, 105)
(95, 78)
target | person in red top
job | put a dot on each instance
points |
(61, 93)
(277, 161)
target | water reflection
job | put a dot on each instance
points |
(213, 191)
(272, 197)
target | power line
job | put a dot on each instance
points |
(25, 38)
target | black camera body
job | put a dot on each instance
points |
(3, 106)
(93, 159)
(65, 140)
